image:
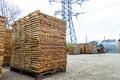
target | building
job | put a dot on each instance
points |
(110, 45)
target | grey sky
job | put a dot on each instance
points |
(96, 24)
(100, 23)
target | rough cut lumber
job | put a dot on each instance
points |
(2, 34)
(1, 61)
(71, 50)
(8, 48)
(86, 48)
(82, 48)
(90, 48)
(38, 43)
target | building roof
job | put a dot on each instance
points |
(109, 40)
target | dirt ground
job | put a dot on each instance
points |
(81, 67)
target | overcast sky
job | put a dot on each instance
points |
(96, 24)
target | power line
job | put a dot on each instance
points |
(103, 8)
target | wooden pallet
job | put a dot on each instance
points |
(6, 65)
(38, 76)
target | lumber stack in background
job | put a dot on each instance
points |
(82, 48)
(90, 48)
(38, 43)
(2, 34)
(8, 48)
(85, 48)
(71, 50)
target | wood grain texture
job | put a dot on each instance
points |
(2, 37)
(86, 48)
(38, 43)
(8, 47)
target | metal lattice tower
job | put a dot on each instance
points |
(67, 14)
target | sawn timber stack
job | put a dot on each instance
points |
(2, 37)
(38, 43)
(8, 48)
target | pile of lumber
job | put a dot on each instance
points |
(38, 43)
(90, 48)
(82, 48)
(86, 48)
(2, 33)
(74, 49)
(71, 50)
(8, 48)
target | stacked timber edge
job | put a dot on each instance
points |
(2, 35)
(90, 48)
(8, 48)
(74, 49)
(38, 44)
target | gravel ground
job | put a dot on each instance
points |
(81, 67)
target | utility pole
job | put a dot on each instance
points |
(104, 38)
(86, 38)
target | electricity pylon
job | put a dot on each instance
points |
(66, 13)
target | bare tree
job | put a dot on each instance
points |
(9, 10)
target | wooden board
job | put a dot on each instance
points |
(82, 48)
(86, 48)
(71, 50)
(8, 48)
(38, 43)
(90, 48)
(2, 34)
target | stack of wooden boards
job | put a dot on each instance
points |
(2, 34)
(87, 48)
(38, 43)
(8, 48)
(82, 48)
(90, 48)
(71, 50)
